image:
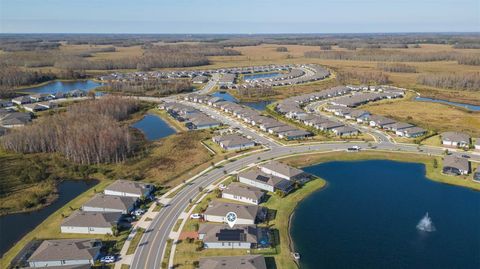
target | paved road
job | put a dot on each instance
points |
(150, 250)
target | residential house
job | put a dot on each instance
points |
(34, 107)
(380, 121)
(65, 252)
(454, 165)
(246, 214)
(22, 100)
(345, 131)
(243, 193)
(129, 188)
(216, 236)
(278, 169)
(15, 119)
(83, 222)
(455, 139)
(256, 178)
(295, 134)
(411, 132)
(233, 142)
(110, 203)
(233, 262)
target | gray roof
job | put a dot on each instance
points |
(455, 137)
(233, 262)
(111, 201)
(414, 130)
(456, 162)
(242, 190)
(232, 140)
(66, 249)
(400, 125)
(92, 219)
(128, 186)
(216, 208)
(282, 168)
(215, 232)
(256, 174)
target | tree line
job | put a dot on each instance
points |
(87, 133)
(151, 87)
(394, 56)
(397, 67)
(256, 91)
(463, 81)
(364, 77)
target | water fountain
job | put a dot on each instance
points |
(426, 224)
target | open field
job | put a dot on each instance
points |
(433, 116)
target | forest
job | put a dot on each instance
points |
(464, 81)
(152, 87)
(87, 133)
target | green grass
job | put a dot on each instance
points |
(177, 225)
(166, 257)
(125, 266)
(135, 240)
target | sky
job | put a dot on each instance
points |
(239, 16)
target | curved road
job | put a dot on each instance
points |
(149, 254)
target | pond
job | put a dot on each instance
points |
(367, 215)
(466, 106)
(20, 224)
(64, 86)
(153, 127)
(260, 76)
(260, 105)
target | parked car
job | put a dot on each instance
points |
(138, 212)
(107, 259)
(196, 216)
(222, 186)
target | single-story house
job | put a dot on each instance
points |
(65, 252)
(222, 236)
(246, 214)
(129, 188)
(380, 121)
(15, 119)
(233, 262)
(295, 134)
(345, 130)
(284, 171)
(454, 165)
(455, 139)
(82, 222)
(233, 142)
(411, 132)
(110, 203)
(476, 176)
(34, 107)
(256, 178)
(398, 126)
(22, 100)
(243, 193)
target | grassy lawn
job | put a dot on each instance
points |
(177, 225)
(178, 126)
(135, 240)
(50, 227)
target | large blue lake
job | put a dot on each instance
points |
(153, 127)
(64, 86)
(466, 106)
(367, 215)
(14, 226)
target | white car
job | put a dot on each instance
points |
(107, 259)
(138, 212)
(196, 216)
(222, 187)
